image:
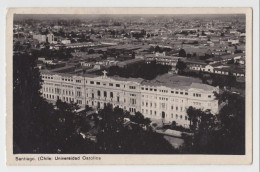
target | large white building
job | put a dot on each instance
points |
(165, 98)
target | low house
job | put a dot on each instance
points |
(195, 65)
(226, 58)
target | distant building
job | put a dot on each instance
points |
(233, 41)
(44, 38)
(65, 41)
(50, 38)
(163, 60)
(40, 38)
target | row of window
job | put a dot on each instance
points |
(165, 91)
(163, 98)
(151, 112)
(98, 83)
(47, 77)
(163, 105)
(65, 99)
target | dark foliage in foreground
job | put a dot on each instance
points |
(40, 128)
(220, 134)
(115, 137)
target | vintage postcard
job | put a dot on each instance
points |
(129, 86)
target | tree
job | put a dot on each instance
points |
(91, 51)
(37, 126)
(181, 66)
(182, 53)
(152, 49)
(231, 61)
(26, 85)
(115, 137)
(157, 49)
(223, 133)
(140, 119)
(224, 80)
(194, 116)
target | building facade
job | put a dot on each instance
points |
(40, 38)
(158, 102)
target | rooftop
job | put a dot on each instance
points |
(167, 80)
(172, 81)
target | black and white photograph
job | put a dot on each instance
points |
(85, 85)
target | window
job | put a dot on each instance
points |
(142, 88)
(155, 113)
(181, 92)
(151, 112)
(91, 82)
(110, 84)
(163, 105)
(209, 96)
(146, 88)
(98, 93)
(186, 93)
(117, 85)
(176, 116)
(155, 89)
(111, 94)
(176, 92)
(172, 92)
(131, 87)
(98, 83)
(118, 99)
(78, 93)
(105, 94)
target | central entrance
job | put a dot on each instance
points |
(163, 114)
